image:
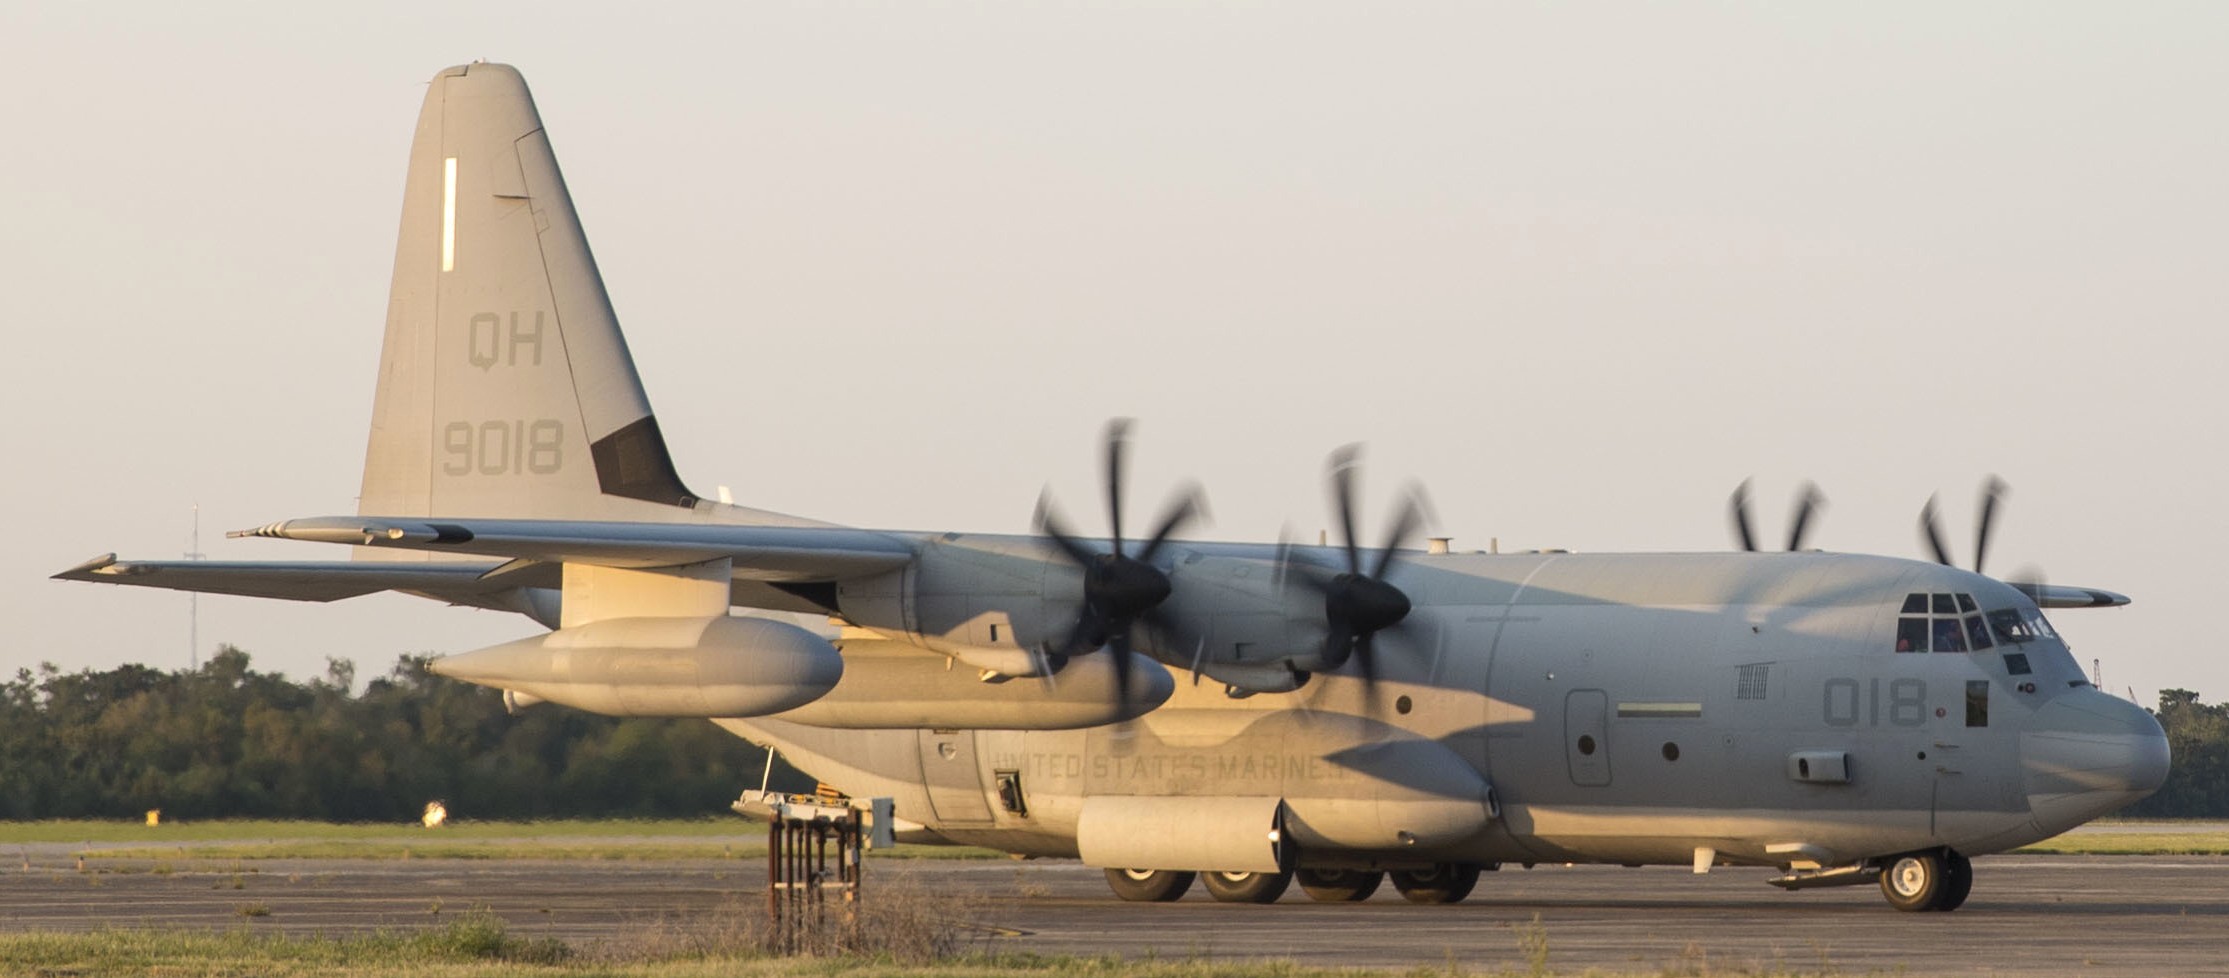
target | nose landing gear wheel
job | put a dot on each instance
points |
(1444, 883)
(1149, 885)
(1339, 885)
(1932, 881)
(1246, 887)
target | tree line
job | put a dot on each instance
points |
(2198, 783)
(226, 741)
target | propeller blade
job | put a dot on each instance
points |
(1933, 533)
(1119, 645)
(1737, 509)
(1050, 524)
(1181, 511)
(1338, 645)
(1404, 523)
(1343, 464)
(1364, 661)
(1991, 491)
(1808, 502)
(1118, 440)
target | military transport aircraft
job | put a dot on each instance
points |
(1243, 714)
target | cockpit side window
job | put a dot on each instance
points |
(1977, 634)
(2010, 628)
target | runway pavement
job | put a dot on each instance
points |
(2029, 915)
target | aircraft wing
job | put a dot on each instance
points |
(760, 553)
(327, 580)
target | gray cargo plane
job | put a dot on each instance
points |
(1243, 714)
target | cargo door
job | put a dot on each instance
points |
(1586, 736)
(954, 780)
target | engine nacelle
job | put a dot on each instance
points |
(719, 666)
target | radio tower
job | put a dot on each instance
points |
(193, 600)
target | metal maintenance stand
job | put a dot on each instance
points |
(814, 847)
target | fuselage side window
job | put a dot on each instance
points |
(1977, 702)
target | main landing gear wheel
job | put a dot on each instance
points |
(1339, 885)
(1247, 887)
(1444, 883)
(1149, 885)
(1931, 881)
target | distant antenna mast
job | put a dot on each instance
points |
(2097, 673)
(193, 600)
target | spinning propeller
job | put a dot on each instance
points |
(1357, 604)
(1120, 590)
(1992, 491)
(1808, 502)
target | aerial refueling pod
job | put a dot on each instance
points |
(719, 666)
(890, 684)
(1213, 833)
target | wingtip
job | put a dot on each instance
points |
(85, 570)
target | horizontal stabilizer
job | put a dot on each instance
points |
(760, 553)
(291, 580)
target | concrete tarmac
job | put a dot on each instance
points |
(2029, 915)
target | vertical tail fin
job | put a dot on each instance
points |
(505, 387)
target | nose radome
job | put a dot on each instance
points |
(2088, 753)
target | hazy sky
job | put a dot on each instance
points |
(1580, 268)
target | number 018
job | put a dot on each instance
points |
(1847, 703)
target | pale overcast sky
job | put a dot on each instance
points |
(1581, 268)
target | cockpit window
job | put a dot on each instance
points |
(1942, 622)
(1911, 634)
(1948, 636)
(1977, 634)
(2009, 626)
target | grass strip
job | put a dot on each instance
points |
(2132, 844)
(480, 947)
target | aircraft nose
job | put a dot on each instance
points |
(2088, 753)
